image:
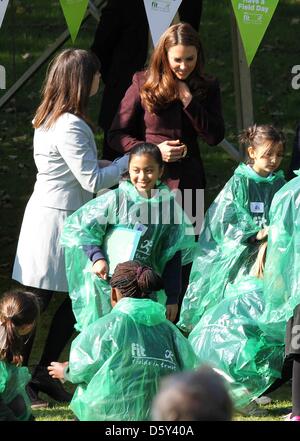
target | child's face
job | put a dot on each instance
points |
(144, 171)
(266, 159)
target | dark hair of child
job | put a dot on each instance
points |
(255, 136)
(147, 148)
(17, 308)
(135, 280)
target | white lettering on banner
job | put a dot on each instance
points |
(296, 78)
(2, 77)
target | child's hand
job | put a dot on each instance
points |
(56, 369)
(100, 268)
(171, 312)
(262, 233)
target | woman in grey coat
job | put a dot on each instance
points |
(69, 173)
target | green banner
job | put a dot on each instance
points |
(74, 11)
(253, 18)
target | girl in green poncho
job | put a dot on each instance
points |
(140, 220)
(18, 314)
(119, 360)
(229, 337)
(235, 224)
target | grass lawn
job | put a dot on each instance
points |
(30, 27)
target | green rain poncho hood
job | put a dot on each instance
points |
(228, 337)
(13, 380)
(223, 252)
(119, 360)
(282, 273)
(166, 230)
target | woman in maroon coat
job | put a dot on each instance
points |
(171, 104)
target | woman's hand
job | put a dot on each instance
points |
(262, 233)
(171, 312)
(100, 268)
(172, 150)
(56, 369)
(185, 95)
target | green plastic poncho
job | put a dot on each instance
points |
(13, 380)
(166, 230)
(119, 360)
(223, 252)
(229, 338)
(282, 270)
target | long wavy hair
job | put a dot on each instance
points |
(160, 88)
(67, 86)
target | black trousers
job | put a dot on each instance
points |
(61, 328)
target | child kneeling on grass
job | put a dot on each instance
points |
(118, 360)
(19, 311)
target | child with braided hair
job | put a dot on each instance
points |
(118, 360)
(19, 311)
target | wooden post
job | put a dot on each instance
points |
(242, 81)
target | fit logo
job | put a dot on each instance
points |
(295, 341)
(137, 350)
(2, 77)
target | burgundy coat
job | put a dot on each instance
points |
(134, 124)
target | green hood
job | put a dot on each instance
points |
(143, 311)
(244, 170)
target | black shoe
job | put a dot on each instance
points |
(36, 402)
(42, 381)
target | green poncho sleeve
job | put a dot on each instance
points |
(122, 208)
(119, 360)
(229, 338)
(223, 253)
(282, 269)
(13, 381)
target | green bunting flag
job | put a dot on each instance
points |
(74, 11)
(253, 18)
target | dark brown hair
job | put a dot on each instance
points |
(254, 136)
(160, 88)
(67, 86)
(17, 308)
(135, 280)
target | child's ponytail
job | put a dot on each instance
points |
(17, 309)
